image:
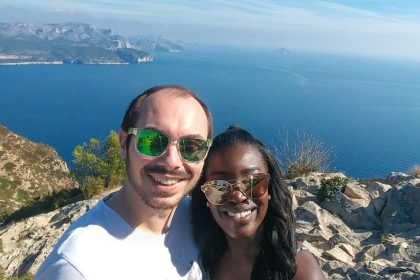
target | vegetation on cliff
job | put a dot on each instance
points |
(28, 172)
(34, 180)
(302, 154)
(97, 165)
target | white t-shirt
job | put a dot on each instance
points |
(101, 245)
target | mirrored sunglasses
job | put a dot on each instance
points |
(219, 192)
(154, 143)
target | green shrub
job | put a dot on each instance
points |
(9, 166)
(92, 186)
(331, 186)
(99, 160)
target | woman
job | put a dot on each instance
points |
(243, 217)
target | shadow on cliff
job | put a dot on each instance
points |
(46, 204)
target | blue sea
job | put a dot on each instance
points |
(367, 109)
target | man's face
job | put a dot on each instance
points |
(161, 182)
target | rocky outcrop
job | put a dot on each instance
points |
(370, 230)
(28, 171)
(26, 244)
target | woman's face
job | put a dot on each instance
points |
(240, 216)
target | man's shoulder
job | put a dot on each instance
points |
(73, 243)
(84, 246)
(93, 229)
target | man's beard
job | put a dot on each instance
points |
(160, 200)
(155, 199)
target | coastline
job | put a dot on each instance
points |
(30, 63)
(57, 63)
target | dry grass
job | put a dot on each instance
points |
(303, 155)
(415, 171)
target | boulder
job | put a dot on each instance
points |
(394, 178)
(378, 192)
(356, 213)
(354, 191)
(402, 209)
(26, 244)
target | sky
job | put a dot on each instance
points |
(383, 28)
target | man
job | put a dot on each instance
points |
(136, 233)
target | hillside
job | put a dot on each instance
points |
(31, 43)
(356, 229)
(28, 171)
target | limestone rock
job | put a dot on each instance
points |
(356, 213)
(351, 236)
(353, 190)
(378, 192)
(26, 244)
(394, 178)
(338, 254)
(402, 209)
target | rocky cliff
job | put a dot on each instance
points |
(33, 43)
(28, 171)
(368, 229)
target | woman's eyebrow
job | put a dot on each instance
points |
(250, 170)
(220, 173)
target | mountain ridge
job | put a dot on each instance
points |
(82, 43)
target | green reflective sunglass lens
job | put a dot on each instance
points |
(193, 149)
(151, 143)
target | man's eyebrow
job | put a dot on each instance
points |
(193, 136)
(198, 136)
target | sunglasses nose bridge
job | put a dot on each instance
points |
(172, 157)
(237, 193)
(176, 143)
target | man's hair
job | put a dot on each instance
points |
(134, 109)
(276, 256)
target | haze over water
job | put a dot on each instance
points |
(369, 110)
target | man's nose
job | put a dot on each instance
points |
(171, 157)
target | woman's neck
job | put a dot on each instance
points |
(238, 260)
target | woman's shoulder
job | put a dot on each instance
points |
(307, 267)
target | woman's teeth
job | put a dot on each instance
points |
(239, 214)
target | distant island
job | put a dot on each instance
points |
(282, 51)
(81, 43)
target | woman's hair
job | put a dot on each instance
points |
(276, 256)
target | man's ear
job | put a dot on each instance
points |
(123, 144)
